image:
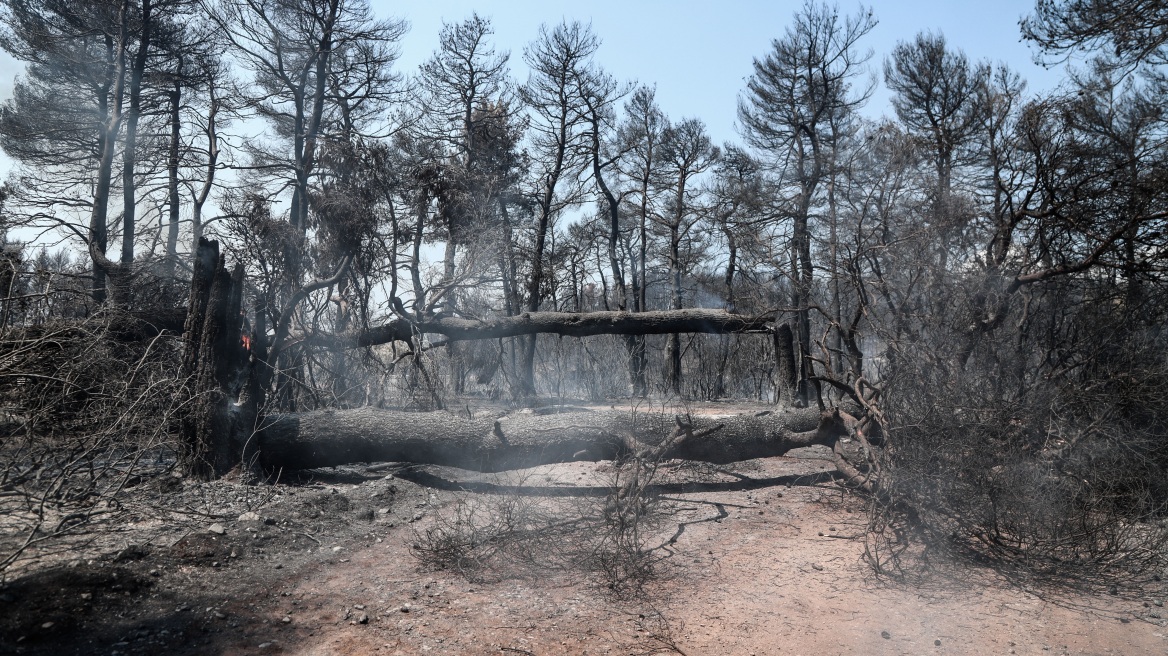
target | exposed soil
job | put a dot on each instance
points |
(766, 558)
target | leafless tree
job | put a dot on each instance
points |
(558, 131)
(792, 100)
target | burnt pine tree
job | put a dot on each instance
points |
(795, 96)
(935, 96)
(686, 153)
(466, 110)
(1125, 33)
(78, 106)
(639, 134)
(557, 131)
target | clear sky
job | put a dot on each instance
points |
(699, 53)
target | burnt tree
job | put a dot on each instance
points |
(224, 428)
(213, 361)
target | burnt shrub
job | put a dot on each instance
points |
(1047, 455)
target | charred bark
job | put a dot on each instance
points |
(336, 437)
(566, 324)
(213, 358)
(785, 360)
(146, 324)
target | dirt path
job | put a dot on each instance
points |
(781, 573)
(758, 569)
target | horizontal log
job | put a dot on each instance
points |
(567, 324)
(147, 324)
(329, 438)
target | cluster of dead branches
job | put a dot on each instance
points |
(1053, 473)
(616, 537)
(86, 416)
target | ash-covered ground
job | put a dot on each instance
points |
(762, 557)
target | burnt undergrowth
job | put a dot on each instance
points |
(1042, 473)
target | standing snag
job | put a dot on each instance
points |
(212, 439)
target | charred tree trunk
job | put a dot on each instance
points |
(172, 183)
(330, 438)
(638, 364)
(565, 324)
(785, 364)
(213, 360)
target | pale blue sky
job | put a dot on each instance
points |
(699, 53)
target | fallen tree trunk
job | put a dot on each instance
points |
(335, 437)
(566, 324)
(218, 432)
(146, 324)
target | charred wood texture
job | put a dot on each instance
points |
(788, 381)
(566, 324)
(147, 324)
(217, 430)
(212, 359)
(336, 437)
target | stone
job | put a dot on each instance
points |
(217, 529)
(250, 516)
(363, 618)
(886, 635)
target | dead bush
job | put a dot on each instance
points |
(1064, 478)
(86, 418)
(484, 538)
(616, 538)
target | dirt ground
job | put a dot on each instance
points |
(765, 558)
